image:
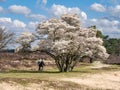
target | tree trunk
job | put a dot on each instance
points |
(61, 66)
(65, 63)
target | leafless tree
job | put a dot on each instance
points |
(5, 37)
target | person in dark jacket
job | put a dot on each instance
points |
(41, 64)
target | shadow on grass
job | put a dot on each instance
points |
(81, 71)
(26, 71)
(47, 72)
(76, 70)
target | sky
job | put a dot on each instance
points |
(24, 15)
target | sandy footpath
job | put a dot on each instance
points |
(15, 86)
(104, 80)
(108, 80)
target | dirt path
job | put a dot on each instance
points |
(99, 81)
(14, 86)
(109, 80)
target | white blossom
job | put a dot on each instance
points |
(65, 35)
(24, 40)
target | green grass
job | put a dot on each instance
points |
(54, 73)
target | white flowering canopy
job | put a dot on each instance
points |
(65, 35)
(66, 39)
(24, 40)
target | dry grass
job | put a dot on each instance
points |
(85, 77)
(21, 74)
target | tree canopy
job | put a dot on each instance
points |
(25, 40)
(67, 42)
(112, 45)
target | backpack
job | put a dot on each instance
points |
(39, 62)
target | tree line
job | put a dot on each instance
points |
(112, 45)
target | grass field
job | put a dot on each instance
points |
(84, 77)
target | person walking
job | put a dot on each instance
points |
(41, 64)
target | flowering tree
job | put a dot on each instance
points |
(25, 40)
(67, 42)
